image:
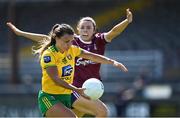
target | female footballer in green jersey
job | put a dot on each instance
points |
(57, 60)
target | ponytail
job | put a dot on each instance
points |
(56, 31)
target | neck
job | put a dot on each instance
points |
(59, 49)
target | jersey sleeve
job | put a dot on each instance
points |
(47, 59)
(100, 38)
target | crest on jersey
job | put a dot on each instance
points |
(69, 57)
(47, 59)
(67, 70)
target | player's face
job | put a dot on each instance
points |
(64, 42)
(86, 30)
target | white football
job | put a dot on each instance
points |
(94, 88)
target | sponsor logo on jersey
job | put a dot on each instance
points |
(81, 61)
(67, 70)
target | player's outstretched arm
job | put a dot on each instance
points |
(117, 29)
(28, 35)
(102, 59)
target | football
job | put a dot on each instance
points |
(94, 88)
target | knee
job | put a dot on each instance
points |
(102, 112)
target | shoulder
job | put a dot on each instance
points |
(49, 52)
(75, 47)
(75, 50)
(99, 35)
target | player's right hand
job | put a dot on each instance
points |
(13, 28)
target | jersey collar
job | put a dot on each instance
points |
(85, 42)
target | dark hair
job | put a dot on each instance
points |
(58, 30)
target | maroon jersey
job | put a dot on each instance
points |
(84, 68)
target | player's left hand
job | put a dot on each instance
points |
(129, 15)
(81, 92)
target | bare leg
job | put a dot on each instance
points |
(93, 107)
(59, 110)
(78, 113)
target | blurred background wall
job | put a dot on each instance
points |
(150, 47)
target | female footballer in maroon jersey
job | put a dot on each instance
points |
(92, 41)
